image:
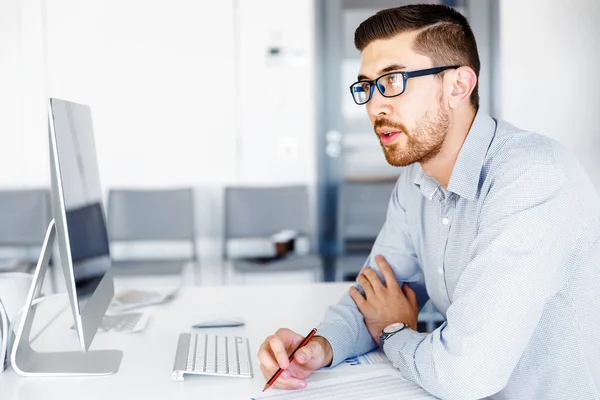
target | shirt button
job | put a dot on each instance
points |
(445, 221)
(440, 270)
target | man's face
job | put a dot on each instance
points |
(411, 127)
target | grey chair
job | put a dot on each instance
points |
(156, 216)
(24, 219)
(362, 208)
(260, 212)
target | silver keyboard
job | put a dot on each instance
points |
(123, 323)
(120, 322)
(218, 355)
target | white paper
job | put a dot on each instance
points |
(381, 384)
(133, 299)
(371, 360)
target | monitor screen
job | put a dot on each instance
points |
(82, 195)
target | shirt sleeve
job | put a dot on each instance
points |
(343, 325)
(518, 263)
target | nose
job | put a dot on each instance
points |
(379, 106)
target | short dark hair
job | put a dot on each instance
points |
(444, 35)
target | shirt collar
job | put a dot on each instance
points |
(427, 184)
(464, 180)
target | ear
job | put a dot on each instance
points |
(463, 82)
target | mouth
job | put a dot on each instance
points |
(388, 136)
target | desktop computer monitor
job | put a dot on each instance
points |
(79, 228)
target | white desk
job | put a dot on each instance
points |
(145, 371)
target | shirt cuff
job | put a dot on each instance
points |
(400, 349)
(338, 337)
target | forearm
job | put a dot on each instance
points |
(344, 329)
(344, 325)
(441, 369)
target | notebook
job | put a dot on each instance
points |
(381, 384)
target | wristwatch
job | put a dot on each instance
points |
(390, 331)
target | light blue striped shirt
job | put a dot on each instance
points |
(510, 256)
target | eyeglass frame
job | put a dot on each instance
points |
(405, 76)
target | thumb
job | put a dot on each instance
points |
(410, 294)
(308, 352)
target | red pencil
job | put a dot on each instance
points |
(279, 371)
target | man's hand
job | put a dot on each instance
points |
(384, 305)
(274, 353)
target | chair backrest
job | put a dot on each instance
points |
(24, 217)
(362, 208)
(151, 215)
(263, 211)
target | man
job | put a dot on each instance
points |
(498, 227)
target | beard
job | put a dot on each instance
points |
(420, 145)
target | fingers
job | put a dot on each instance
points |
(268, 373)
(373, 278)
(290, 338)
(273, 353)
(311, 351)
(388, 273)
(410, 295)
(291, 383)
(285, 380)
(278, 349)
(358, 298)
(365, 285)
(268, 363)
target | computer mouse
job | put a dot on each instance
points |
(220, 322)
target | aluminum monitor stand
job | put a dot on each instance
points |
(28, 362)
(4, 325)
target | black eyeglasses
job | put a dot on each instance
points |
(391, 84)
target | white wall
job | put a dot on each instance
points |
(277, 92)
(147, 69)
(10, 81)
(173, 89)
(277, 111)
(549, 83)
(23, 85)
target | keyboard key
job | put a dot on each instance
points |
(211, 353)
(222, 355)
(232, 357)
(120, 322)
(200, 351)
(191, 354)
(243, 356)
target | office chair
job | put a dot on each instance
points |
(151, 216)
(254, 214)
(24, 219)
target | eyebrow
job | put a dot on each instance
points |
(389, 68)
